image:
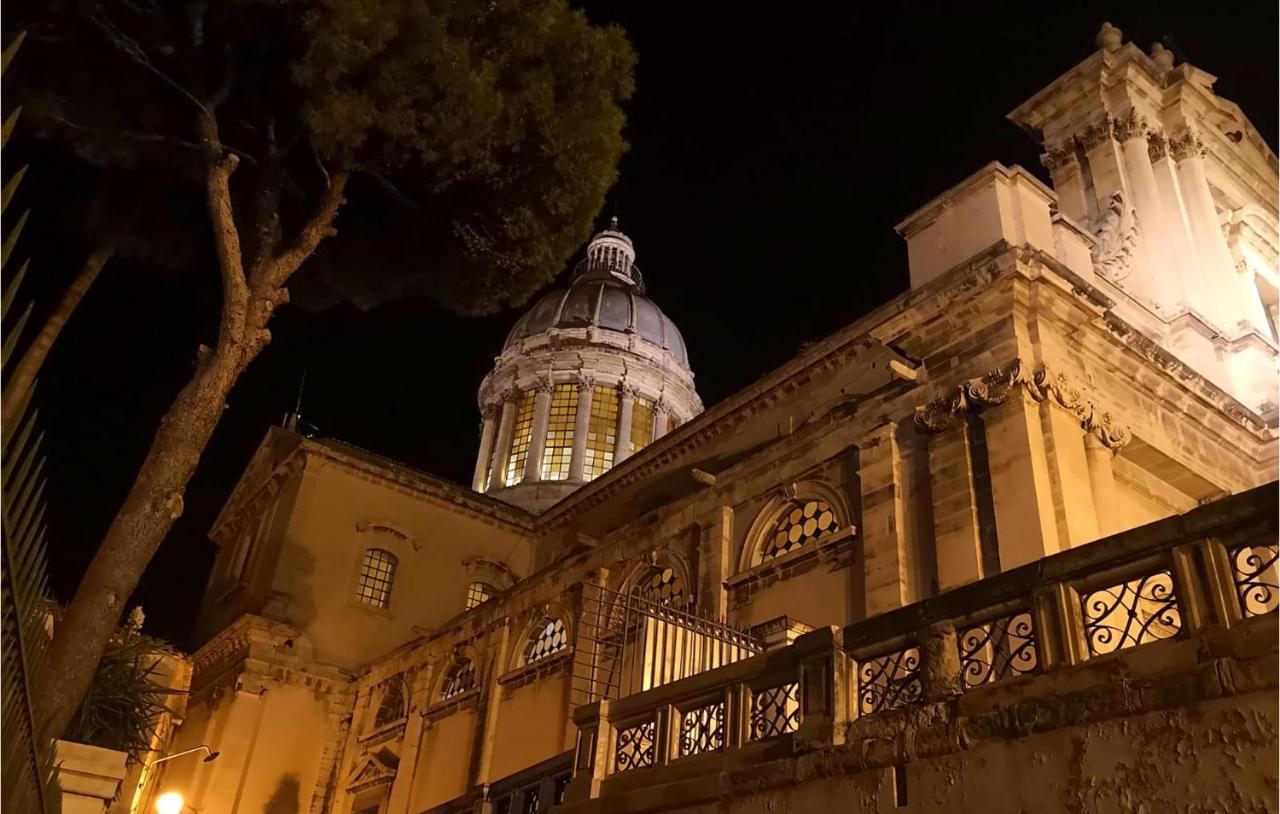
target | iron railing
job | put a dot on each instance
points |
(629, 643)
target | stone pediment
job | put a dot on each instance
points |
(373, 771)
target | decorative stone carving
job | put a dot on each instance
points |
(586, 382)
(543, 384)
(1186, 145)
(1109, 38)
(1157, 146)
(1129, 125)
(1162, 57)
(1105, 427)
(1095, 134)
(491, 411)
(1117, 233)
(1060, 158)
(1060, 388)
(947, 411)
(662, 406)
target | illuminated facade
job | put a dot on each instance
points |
(1006, 543)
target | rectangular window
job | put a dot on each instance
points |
(377, 572)
(520, 436)
(560, 421)
(602, 432)
(641, 424)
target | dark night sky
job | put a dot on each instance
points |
(771, 155)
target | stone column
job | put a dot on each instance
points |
(1177, 223)
(886, 554)
(1026, 529)
(498, 464)
(1163, 279)
(486, 447)
(954, 496)
(660, 413)
(581, 423)
(1102, 480)
(626, 406)
(538, 433)
(1225, 294)
(1068, 182)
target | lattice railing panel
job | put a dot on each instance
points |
(1141, 610)
(637, 746)
(1255, 571)
(998, 649)
(889, 681)
(775, 711)
(702, 729)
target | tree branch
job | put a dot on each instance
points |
(130, 48)
(226, 239)
(276, 273)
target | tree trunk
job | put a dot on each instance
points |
(24, 373)
(149, 511)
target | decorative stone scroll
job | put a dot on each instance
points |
(994, 388)
(1117, 243)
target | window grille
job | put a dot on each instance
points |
(602, 432)
(479, 593)
(460, 678)
(801, 524)
(377, 572)
(392, 706)
(560, 420)
(546, 640)
(641, 423)
(520, 437)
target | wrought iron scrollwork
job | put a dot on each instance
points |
(775, 711)
(889, 681)
(702, 729)
(998, 649)
(636, 746)
(1256, 579)
(1141, 610)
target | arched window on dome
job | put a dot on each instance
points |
(377, 573)
(561, 418)
(545, 640)
(641, 423)
(602, 432)
(521, 435)
(460, 678)
(392, 707)
(798, 523)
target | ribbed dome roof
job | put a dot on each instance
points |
(592, 300)
(606, 292)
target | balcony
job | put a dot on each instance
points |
(1175, 613)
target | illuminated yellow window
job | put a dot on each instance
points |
(560, 421)
(520, 436)
(479, 593)
(602, 433)
(641, 423)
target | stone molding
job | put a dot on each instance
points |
(948, 411)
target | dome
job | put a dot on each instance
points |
(612, 304)
(607, 292)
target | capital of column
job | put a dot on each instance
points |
(1157, 146)
(543, 384)
(586, 382)
(490, 412)
(662, 407)
(1062, 157)
(627, 390)
(1130, 125)
(1186, 145)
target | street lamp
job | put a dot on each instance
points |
(170, 802)
(209, 758)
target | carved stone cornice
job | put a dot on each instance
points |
(947, 411)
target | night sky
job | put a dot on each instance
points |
(773, 148)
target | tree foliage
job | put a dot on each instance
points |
(476, 137)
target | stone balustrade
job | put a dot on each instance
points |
(892, 688)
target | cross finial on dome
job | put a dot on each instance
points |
(613, 224)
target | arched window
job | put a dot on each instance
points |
(661, 585)
(799, 523)
(460, 678)
(392, 706)
(546, 640)
(479, 593)
(377, 572)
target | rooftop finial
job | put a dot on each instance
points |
(1109, 37)
(1162, 56)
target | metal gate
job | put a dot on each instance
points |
(631, 643)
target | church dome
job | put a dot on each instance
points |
(602, 301)
(590, 375)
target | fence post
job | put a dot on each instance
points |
(940, 676)
(595, 745)
(1220, 582)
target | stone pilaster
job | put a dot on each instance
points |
(955, 503)
(661, 412)
(626, 408)
(1026, 529)
(538, 435)
(887, 556)
(487, 433)
(581, 424)
(498, 464)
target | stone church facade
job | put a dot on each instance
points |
(1007, 542)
